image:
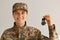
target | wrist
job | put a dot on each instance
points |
(50, 23)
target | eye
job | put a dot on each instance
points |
(16, 13)
(23, 12)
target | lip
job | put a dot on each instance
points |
(19, 18)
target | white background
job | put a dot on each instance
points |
(36, 10)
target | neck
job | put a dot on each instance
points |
(20, 25)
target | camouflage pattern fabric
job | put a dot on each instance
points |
(28, 33)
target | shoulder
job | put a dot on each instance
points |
(31, 28)
(7, 31)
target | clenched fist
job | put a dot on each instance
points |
(48, 20)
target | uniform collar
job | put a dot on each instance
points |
(15, 26)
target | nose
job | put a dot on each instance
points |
(20, 14)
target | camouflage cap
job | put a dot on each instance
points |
(20, 6)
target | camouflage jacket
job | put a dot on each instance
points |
(28, 33)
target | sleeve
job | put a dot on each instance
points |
(52, 33)
(39, 36)
(42, 37)
(6, 36)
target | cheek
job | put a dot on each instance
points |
(25, 16)
(15, 17)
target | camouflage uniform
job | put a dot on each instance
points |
(27, 33)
